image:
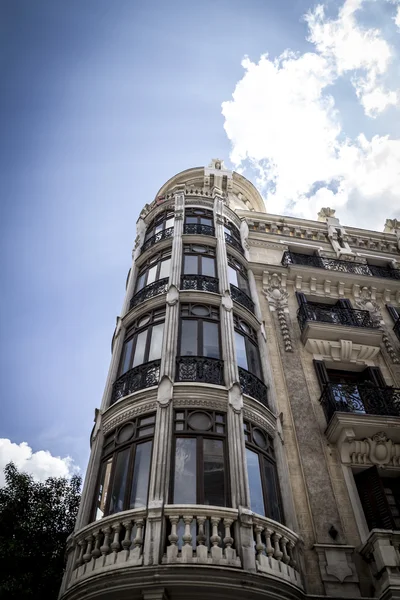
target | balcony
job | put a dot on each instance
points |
(198, 229)
(331, 323)
(229, 239)
(396, 328)
(201, 283)
(138, 378)
(253, 386)
(342, 266)
(381, 553)
(363, 398)
(200, 369)
(154, 239)
(242, 298)
(149, 291)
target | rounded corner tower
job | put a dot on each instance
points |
(186, 492)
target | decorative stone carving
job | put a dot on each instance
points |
(391, 225)
(342, 351)
(200, 402)
(326, 213)
(277, 297)
(251, 415)
(128, 414)
(366, 301)
(376, 450)
(338, 571)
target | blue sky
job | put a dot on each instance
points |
(101, 102)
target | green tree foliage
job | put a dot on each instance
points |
(35, 520)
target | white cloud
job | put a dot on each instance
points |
(396, 18)
(40, 464)
(284, 125)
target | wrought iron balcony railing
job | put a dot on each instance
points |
(202, 283)
(350, 317)
(365, 398)
(396, 328)
(343, 266)
(138, 378)
(149, 291)
(252, 386)
(234, 242)
(199, 229)
(242, 298)
(201, 369)
(161, 235)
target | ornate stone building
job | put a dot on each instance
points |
(248, 441)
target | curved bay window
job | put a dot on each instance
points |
(248, 360)
(200, 470)
(199, 221)
(199, 345)
(261, 469)
(239, 282)
(232, 235)
(199, 268)
(161, 227)
(154, 271)
(125, 469)
(140, 359)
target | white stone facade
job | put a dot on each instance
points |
(258, 439)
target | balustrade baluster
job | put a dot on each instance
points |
(187, 550)
(115, 546)
(290, 550)
(172, 550)
(201, 549)
(138, 541)
(285, 557)
(127, 542)
(216, 551)
(277, 551)
(82, 546)
(260, 547)
(88, 554)
(268, 546)
(105, 548)
(96, 550)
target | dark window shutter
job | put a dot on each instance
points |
(344, 303)
(374, 374)
(322, 373)
(301, 298)
(373, 499)
(393, 312)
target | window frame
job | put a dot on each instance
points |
(249, 338)
(200, 436)
(155, 260)
(210, 253)
(241, 271)
(133, 333)
(231, 229)
(199, 213)
(200, 329)
(111, 449)
(160, 219)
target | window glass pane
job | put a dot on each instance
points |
(156, 342)
(151, 275)
(126, 362)
(169, 222)
(210, 339)
(253, 359)
(103, 489)
(191, 264)
(165, 268)
(141, 473)
(208, 266)
(240, 351)
(140, 281)
(205, 221)
(214, 480)
(243, 284)
(190, 219)
(140, 348)
(274, 511)
(256, 493)
(189, 338)
(159, 227)
(232, 276)
(185, 471)
(119, 483)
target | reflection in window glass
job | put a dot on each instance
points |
(256, 493)
(141, 473)
(208, 266)
(165, 268)
(241, 356)
(272, 491)
(189, 338)
(140, 348)
(156, 342)
(211, 341)
(253, 359)
(232, 276)
(190, 265)
(151, 275)
(127, 357)
(104, 483)
(214, 480)
(119, 482)
(185, 471)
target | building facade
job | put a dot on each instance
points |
(248, 440)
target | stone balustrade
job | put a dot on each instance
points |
(277, 550)
(113, 542)
(201, 534)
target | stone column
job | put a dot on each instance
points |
(159, 478)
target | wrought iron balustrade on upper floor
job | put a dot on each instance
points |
(242, 298)
(364, 398)
(253, 386)
(234, 242)
(349, 317)
(200, 369)
(198, 229)
(149, 291)
(202, 283)
(154, 239)
(342, 266)
(396, 328)
(138, 378)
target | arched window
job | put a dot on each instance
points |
(200, 469)
(261, 469)
(126, 465)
